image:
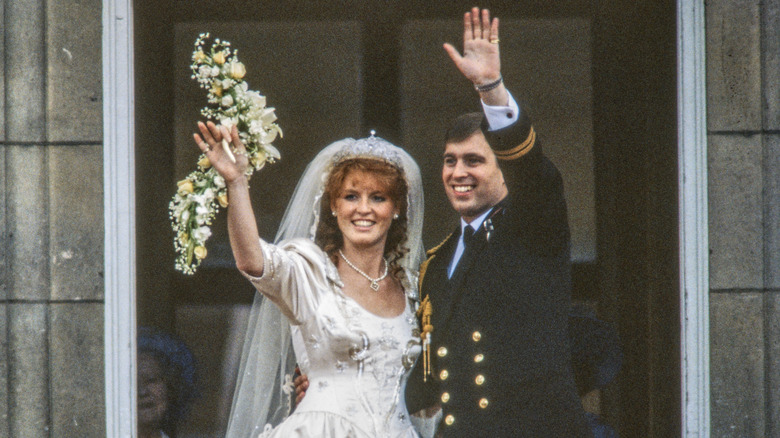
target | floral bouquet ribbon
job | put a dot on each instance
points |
(231, 103)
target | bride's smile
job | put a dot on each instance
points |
(364, 210)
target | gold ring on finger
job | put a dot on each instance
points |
(494, 40)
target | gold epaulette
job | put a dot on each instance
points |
(433, 250)
(519, 150)
(431, 253)
(423, 268)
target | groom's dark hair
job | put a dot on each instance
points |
(463, 127)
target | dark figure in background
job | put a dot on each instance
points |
(596, 359)
(497, 291)
(166, 383)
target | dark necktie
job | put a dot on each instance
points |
(468, 237)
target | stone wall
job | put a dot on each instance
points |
(743, 93)
(51, 219)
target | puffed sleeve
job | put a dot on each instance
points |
(295, 274)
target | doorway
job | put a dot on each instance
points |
(627, 263)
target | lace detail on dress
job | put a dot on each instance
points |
(289, 389)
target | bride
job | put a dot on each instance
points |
(343, 274)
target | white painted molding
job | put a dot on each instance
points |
(694, 244)
(119, 213)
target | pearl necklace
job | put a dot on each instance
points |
(374, 281)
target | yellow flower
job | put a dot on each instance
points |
(185, 187)
(217, 89)
(223, 200)
(204, 162)
(219, 58)
(184, 239)
(200, 252)
(258, 160)
(237, 70)
(199, 56)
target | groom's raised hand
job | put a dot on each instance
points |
(480, 62)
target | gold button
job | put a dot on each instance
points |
(476, 336)
(483, 403)
(442, 351)
(445, 397)
(449, 419)
(479, 358)
(444, 374)
(480, 379)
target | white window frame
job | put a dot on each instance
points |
(693, 222)
(119, 211)
(119, 214)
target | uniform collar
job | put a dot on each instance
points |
(476, 223)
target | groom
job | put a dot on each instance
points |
(499, 286)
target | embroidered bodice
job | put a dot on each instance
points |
(357, 362)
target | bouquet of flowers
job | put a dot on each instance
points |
(231, 103)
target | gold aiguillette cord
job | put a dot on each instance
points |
(425, 311)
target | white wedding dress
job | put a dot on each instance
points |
(357, 362)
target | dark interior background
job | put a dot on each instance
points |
(339, 69)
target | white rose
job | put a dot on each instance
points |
(269, 136)
(272, 153)
(268, 116)
(227, 100)
(201, 233)
(237, 70)
(259, 100)
(255, 127)
(219, 181)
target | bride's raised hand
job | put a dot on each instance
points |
(230, 162)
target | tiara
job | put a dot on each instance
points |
(370, 147)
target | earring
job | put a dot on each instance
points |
(395, 216)
(333, 213)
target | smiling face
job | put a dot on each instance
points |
(472, 179)
(364, 210)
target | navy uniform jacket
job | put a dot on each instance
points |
(501, 362)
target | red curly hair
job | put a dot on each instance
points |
(329, 236)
